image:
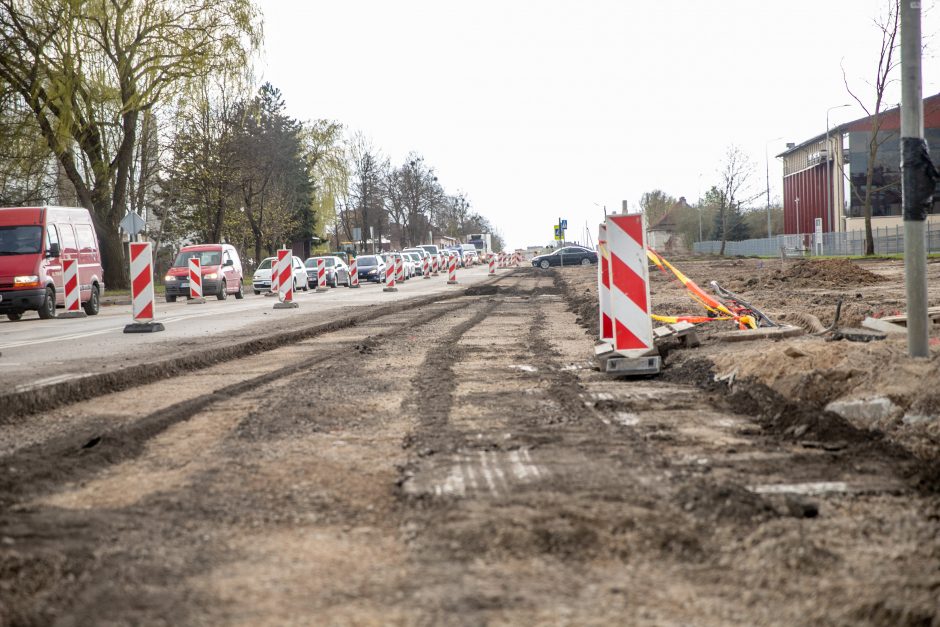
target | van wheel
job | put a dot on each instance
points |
(223, 293)
(239, 294)
(15, 316)
(93, 304)
(47, 309)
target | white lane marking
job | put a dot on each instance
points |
(471, 477)
(534, 468)
(627, 419)
(487, 475)
(498, 471)
(524, 367)
(818, 487)
(453, 484)
(517, 466)
(62, 378)
(78, 336)
(603, 396)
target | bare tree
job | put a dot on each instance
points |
(887, 25)
(735, 191)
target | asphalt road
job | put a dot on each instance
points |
(39, 352)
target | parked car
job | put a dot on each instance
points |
(337, 272)
(431, 248)
(342, 255)
(417, 267)
(220, 267)
(568, 256)
(469, 254)
(417, 249)
(261, 281)
(408, 267)
(34, 243)
(455, 252)
(371, 268)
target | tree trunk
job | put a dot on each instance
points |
(869, 177)
(724, 230)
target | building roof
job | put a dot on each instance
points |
(891, 121)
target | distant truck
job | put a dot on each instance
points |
(482, 242)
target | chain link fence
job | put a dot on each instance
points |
(888, 241)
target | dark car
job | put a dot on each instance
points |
(371, 268)
(568, 256)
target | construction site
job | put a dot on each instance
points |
(462, 457)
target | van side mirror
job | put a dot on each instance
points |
(229, 262)
(53, 250)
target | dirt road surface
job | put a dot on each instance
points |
(461, 463)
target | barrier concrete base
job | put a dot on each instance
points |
(450, 282)
(269, 294)
(73, 314)
(354, 285)
(196, 301)
(389, 289)
(427, 276)
(320, 290)
(287, 304)
(634, 366)
(144, 327)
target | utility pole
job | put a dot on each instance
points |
(918, 178)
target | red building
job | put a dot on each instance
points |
(835, 165)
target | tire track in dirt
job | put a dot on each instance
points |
(121, 550)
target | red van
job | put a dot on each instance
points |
(221, 272)
(34, 241)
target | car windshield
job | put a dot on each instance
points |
(366, 260)
(329, 262)
(430, 248)
(206, 258)
(20, 240)
(265, 264)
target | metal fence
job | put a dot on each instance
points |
(888, 241)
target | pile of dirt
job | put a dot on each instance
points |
(825, 273)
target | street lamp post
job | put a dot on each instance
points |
(767, 174)
(829, 212)
(700, 238)
(797, 201)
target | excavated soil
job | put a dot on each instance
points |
(464, 463)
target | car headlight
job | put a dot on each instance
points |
(169, 278)
(211, 275)
(372, 271)
(26, 281)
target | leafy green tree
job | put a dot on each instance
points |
(88, 69)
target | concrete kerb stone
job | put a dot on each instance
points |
(17, 405)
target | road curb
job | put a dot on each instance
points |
(17, 405)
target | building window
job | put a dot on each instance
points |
(886, 175)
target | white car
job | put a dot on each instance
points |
(261, 281)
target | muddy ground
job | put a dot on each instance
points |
(463, 463)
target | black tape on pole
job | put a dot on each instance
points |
(919, 178)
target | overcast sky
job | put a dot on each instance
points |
(540, 110)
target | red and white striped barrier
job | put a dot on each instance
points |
(399, 268)
(390, 274)
(434, 266)
(629, 285)
(285, 280)
(142, 289)
(195, 280)
(606, 323)
(492, 264)
(353, 273)
(321, 275)
(452, 270)
(73, 299)
(426, 267)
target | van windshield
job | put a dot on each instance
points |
(206, 258)
(20, 240)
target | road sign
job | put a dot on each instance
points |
(563, 224)
(559, 234)
(357, 233)
(132, 223)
